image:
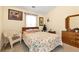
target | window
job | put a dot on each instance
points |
(31, 21)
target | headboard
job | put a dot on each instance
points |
(28, 28)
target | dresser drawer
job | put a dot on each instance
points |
(77, 43)
(76, 38)
(70, 38)
(72, 42)
(77, 34)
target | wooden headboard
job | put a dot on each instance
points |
(27, 28)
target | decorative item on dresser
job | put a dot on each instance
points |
(44, 28)
(71, 36)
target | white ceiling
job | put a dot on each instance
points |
(39, 9)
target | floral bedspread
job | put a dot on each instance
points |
(41, 41)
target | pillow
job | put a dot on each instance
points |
(35, 30)
(32, 30)
(28, 31)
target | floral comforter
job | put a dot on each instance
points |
(41, 41)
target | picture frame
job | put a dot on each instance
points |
(41, 21)
(15, 15)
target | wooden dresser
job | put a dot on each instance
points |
(71, 38)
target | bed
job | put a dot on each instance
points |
(38, 41)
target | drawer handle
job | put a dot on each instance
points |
(77, 38)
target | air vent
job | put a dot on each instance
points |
(33, 6)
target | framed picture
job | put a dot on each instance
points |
(14, 14)
(41, 21)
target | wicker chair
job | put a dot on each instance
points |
(13, 36)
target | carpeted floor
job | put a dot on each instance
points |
(23, 48)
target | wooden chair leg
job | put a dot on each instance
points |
(11, 45)
(20, 41)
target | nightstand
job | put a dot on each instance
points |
(52, 32)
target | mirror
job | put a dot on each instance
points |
(72, 22)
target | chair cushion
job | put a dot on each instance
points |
(15, 37)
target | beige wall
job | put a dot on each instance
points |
(0, 25)
(13, 24)
(58, 15)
